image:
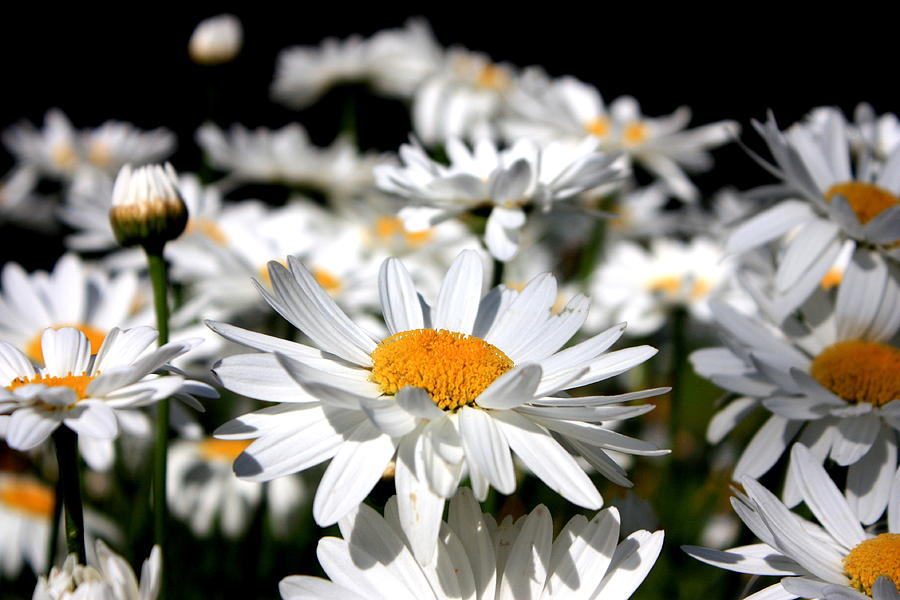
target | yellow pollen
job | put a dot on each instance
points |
(387, 228)
(28, 496)
(867, 200)
(225, 450)
(264, 272)
(700, 289)
(635, 133)
(598, 127)
(873, 558)
(329, 282)
(77, 383)
(63, 155)
(453, 367)
(208, 228)
(669, 285)
(99, 154)
(95, 336)
(492, 77)
(832, 278)
(859, 371)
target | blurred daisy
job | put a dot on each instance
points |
(476, 558)
(829, 202)
(393, 62)
(834, 559)
(89, 394)
(455, 387)
(26, 511)
(216, 40)
(505, 182)
(202, 489)
(830, 380)
(111, 579)
(21, 204)
(880, 134)
(462, 98)
(643, 287)
(567, 108)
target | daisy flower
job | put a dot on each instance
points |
(455, 387)
(832, 559)
(828, 202)
(20, 202)
(92, 395)
(829, 379)
(216, 40)
(26, 511)
(505, 182)
(567, 108)
(202, 489)
(476, 558)
(111, 579)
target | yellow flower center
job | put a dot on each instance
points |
(635, 133)
(700, 289)
(388, 228)
(63, 155)
(598, 127)
(27, 496)
(454, 368)
(329, 282)
(873, 558)
(832, 278)
(668, 285)
(867, 200)
(224, 450)
(208, 228)
(95, 336)
(99, 154)
(77, 383)
(492, 77)
(859, 371)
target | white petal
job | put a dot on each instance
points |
(526, 567)
(766, 447)
(93, 418)
(399, 299)
(66, 351)
(30, 426)
(304, 587)
(511, 389)
(457, 303)
(633, 559)
(869, 479)
(420, 508)
(855, 436)
(486, 447)
(758, 559)
(768, 225)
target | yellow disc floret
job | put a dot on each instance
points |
(95, 337)
(873, 558)
(226, 450)
(27, 496)
(859, 371)
(867, 200)
(77, 383)
(453, 367)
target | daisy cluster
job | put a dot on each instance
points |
(422, 345)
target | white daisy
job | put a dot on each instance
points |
(505, 182)
(111, 579)
(454, 388)
(828, 202)
(91, 395)
(203, 490)
(567, 108)
(393, 62)
(216, 40)
(476, 558)
(26, 511)
(880, 133)
(835, 559)
(830, 379)
(21, 204)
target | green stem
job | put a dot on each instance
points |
(590, 254)
(678, 365)
(66, 442)
(159, 279)
(54, 523)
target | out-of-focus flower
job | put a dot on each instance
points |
(21, 204)
(476, 558)
(570, 109)
(835, 559)
(505, 182)
(880, 134)
(87, 393)
(58, 150)
(147, 209)
(393, 62)
(827, 204)
(643, 287)
(202, 489)
(830, 379)
(216, 40)
(455, 387)
(111, 579)
(26, 511)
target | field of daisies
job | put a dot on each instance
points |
(517, 349)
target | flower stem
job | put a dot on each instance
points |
(590, 254)
(54, 523)
(159, 279)
(66, 442)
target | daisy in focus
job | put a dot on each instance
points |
(456, 388)
(91, 394)
(830, 378)
(505, 183)
(477, 558)
(828, 201)
(832, 559)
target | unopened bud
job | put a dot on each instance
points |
(147, 209)
(216, 40)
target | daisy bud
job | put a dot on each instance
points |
(147, 209)
(216, 40)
